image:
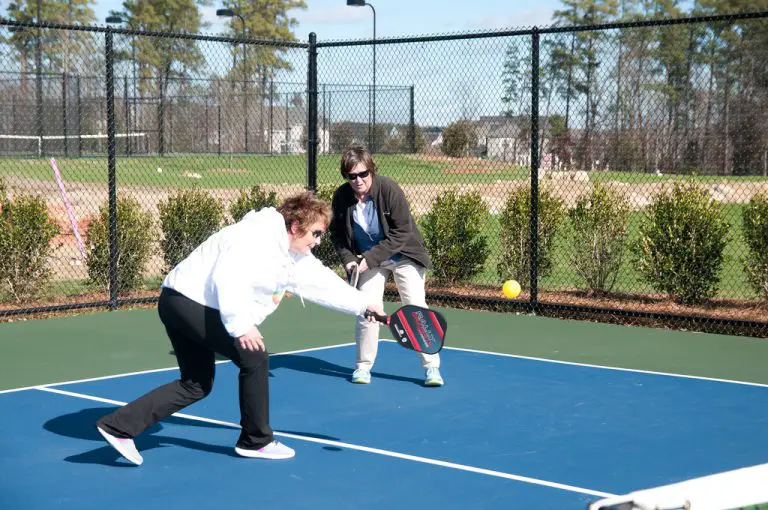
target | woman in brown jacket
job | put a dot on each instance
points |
(373, 228)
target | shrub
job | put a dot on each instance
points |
(453, 236)
(515, 236)
(755, 231)
(681, 244)
(325, 252)
(598, 238)
(401, 144)
(26, 232)
(134, 244)
(459, 139)
(253, 200)
(187, 219)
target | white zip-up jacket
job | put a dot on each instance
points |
(244, 270)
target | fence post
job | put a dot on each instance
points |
(271, 111)
(79, 118)
(170, 124)
(39, 85)
(126, 115)
(412, 125)
(370, 126)
(534, 297)
(311, 114)
(206, 125)
(161, 117)
(330, 123)
(218, 107)
(111, 173)
(64, 110)
(325, 140)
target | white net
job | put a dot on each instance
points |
(90, 144)
(745, 488)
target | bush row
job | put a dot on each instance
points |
(679, 250)
(186, 220)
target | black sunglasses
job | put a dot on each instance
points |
(362, 175)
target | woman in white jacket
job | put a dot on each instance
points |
(214, 300)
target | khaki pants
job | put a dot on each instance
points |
(409, 278)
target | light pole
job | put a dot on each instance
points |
(371, 130)
(116, 19)
(39, 70)
(231, 13)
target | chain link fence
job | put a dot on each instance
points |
(618, 172)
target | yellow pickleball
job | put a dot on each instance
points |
(511, 288)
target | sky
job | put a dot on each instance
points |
(333, 19)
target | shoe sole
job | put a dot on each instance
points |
(255, 454)
(433, 384)
(119, 448)
(361, 381)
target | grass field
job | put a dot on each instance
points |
(238, 171)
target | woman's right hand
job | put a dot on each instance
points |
(252, 340)
(378, 310)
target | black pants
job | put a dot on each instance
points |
(197, 333)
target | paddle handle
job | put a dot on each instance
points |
(384, 319)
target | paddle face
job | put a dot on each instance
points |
(419, 329)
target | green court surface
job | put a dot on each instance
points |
(45, 351)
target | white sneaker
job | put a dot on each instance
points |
(273, 451)
(361, 376)
(433, 377)
(124, 447)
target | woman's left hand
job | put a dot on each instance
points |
(363, 266)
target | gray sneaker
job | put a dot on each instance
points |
(273, 451)
(124, 447)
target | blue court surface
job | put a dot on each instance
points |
(504, 432)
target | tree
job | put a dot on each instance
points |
(264, 20)
(459, 139)
(741, 74)
(61, 50)
(161, 58)
(583, 62)
(516, 78)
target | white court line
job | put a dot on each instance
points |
(155, 370)
(606, 367)
(377, 451)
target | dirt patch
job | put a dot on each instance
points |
(638, 194)
(469, 162)
(468, 170)
(494, 194)
(229, 170)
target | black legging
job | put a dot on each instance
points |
(197, 333)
